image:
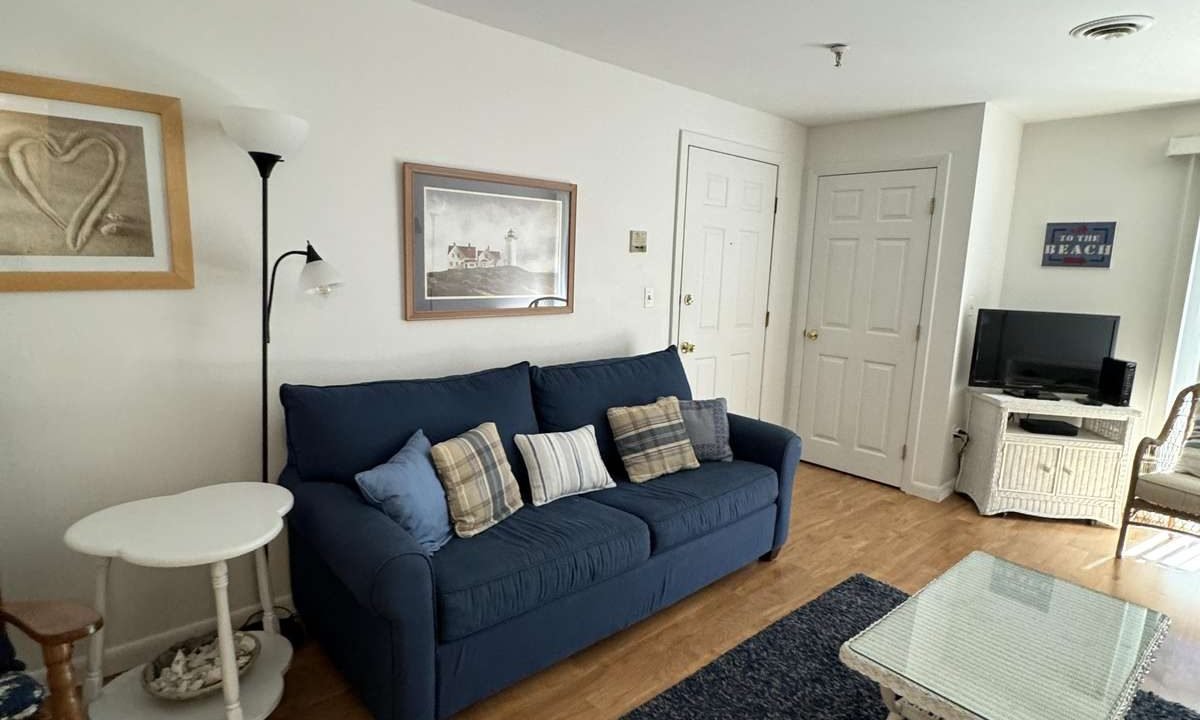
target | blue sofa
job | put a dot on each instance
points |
(423, 636)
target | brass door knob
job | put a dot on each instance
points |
(812, 334)
(686, 347)
(687, 299)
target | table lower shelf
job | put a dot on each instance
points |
(261, 689)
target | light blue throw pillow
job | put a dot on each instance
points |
(407, 489)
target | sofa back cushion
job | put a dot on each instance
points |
(336, 431)
(577, 394)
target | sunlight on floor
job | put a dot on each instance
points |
(1172, 550)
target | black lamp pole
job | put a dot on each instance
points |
(265, 162)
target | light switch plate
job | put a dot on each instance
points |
(637, 241)
(648, 297)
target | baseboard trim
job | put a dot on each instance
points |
(933, 493)
(119, 658)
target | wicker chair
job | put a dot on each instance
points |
(1160, 496)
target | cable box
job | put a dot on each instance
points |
(1049, 427)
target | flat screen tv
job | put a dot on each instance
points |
(1025, 351)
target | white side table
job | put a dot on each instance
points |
(207, 526)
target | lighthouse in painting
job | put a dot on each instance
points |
(510, 248)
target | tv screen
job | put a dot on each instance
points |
(1041, 350)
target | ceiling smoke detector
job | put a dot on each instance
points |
(1111, 28)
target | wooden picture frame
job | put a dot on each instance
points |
(129, 225)
(468, 265)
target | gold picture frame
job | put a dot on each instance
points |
(93, 188)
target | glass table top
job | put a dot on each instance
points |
(1009, 643)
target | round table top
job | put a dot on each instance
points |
(197, 527)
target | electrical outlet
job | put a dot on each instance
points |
(637, 242)
(648, 297)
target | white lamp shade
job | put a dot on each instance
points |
(319, 278)
(262, 130)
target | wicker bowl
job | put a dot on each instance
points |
(155, 667)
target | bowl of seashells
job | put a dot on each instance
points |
(192, 668)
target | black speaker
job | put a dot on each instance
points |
(1116, 381)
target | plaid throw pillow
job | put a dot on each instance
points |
(563, 464)
(1189, 458)
(480, 487)
(652, 439)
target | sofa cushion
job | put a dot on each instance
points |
(336, 431)
(480, 487)
(652, 439)
(563, 464)
(538, 554)
(571, 396)
(406, 488)
(1174, 491)
(690, 503)
(707, 423)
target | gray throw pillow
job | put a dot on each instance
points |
(707, 423)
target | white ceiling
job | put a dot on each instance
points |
(904, 54)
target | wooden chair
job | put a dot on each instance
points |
(56, 626)
(1159, 495)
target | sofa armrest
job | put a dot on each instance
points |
(777, 448)
(378, 561)
(371, 587)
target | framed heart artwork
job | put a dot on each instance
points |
(93, 188)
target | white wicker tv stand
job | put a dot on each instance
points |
(1007, 469)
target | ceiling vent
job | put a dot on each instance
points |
(1111, 28)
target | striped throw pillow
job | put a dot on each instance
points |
(480, 487)
(652, 439)
(1189, 458)
(563, 464)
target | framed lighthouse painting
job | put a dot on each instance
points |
(481, 245)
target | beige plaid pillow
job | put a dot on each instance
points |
(480, 487)
(652, 439)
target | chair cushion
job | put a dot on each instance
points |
(20, 696)
(537, 555)
(334, 432)
(690, 503)
(480, 487)
(578, 394)
(1174, 491)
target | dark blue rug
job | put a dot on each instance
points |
(791, 670)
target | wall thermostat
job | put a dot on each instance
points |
(637, 241)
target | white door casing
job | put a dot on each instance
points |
(728, 230)
(871, 234)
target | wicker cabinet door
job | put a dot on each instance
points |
(1029, 468)
(1089, 473)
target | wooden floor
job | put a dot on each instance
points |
(840, 526)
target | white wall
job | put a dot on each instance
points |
(995, 187)
(1111, 167)
(915, 140)
(112, 396)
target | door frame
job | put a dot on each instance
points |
(688, 139)
(917, 400)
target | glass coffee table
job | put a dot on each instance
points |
(992, 640)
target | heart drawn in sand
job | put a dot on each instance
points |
(67, 150)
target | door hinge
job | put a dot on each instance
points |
(932, 204)
(767, 322)
(918, 331)
(904, 451)
(776, 210)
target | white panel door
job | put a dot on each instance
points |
(867, 279)
(729, 223)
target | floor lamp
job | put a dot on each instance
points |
(268, 136)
